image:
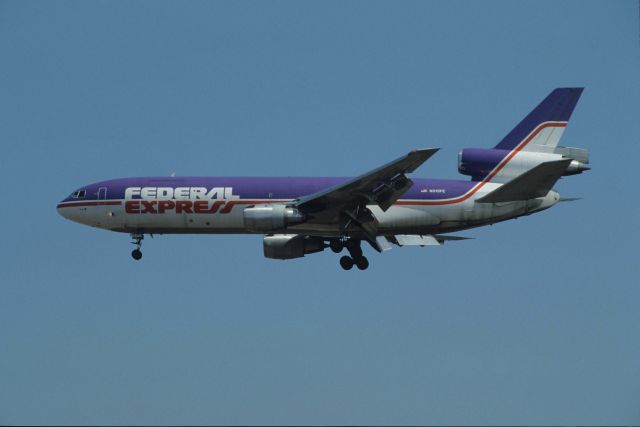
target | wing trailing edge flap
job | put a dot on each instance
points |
(416, 240)
(420, 239)
(534, 183)
(383, 243)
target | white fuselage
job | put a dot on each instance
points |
(225, 215)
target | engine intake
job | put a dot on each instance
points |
(288, 246)
(270, 217)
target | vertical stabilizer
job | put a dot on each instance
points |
(532, 142)
(542, 128)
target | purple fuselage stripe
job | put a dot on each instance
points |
(270, 188)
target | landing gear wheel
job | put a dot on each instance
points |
(346, 262)
(137, 240)
(336, 246)
(136, 254)
(362, 263)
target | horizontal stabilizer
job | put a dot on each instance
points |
(444, 238)
(569, 199)
(534, 183)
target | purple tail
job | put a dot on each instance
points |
(556, 107)
(532, 142)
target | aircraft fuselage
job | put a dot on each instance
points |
(166, 205)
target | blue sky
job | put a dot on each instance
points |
(535, 321)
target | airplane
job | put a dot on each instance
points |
(384, 207)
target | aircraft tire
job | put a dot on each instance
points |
(336, 246)
(362, 263)
(136, 254)
(346, 262)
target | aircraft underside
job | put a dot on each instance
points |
(428, 226)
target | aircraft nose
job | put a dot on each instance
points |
(61, 210)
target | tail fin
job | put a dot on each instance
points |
(532, 142)
(541, 130)
(535, 182)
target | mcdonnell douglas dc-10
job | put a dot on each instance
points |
(383, 207)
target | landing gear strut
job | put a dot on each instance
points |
(137, 240)
(356, 258)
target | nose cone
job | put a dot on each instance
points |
(63, 209)
(74, 207)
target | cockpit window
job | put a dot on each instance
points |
(79, 194)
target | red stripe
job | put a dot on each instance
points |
(231, 203)
(493, 173)
(105, 203)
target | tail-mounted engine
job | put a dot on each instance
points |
(480, 162)
(288, 246)
(265, 218)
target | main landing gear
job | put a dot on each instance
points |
(347, 263)
(356, 258)
(137, 240)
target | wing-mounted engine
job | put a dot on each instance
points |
(288, 246)
(480, 163)
(273, 217)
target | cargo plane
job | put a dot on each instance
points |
(299, 216)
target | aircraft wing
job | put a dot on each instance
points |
(381, 186)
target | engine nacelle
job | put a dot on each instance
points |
(479, 162)
(288, 246)
(270, 217)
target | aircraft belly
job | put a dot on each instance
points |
(396, 220)
(186, 221)
(403, 217)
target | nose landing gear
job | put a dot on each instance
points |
(136, 254)
(137, 240)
